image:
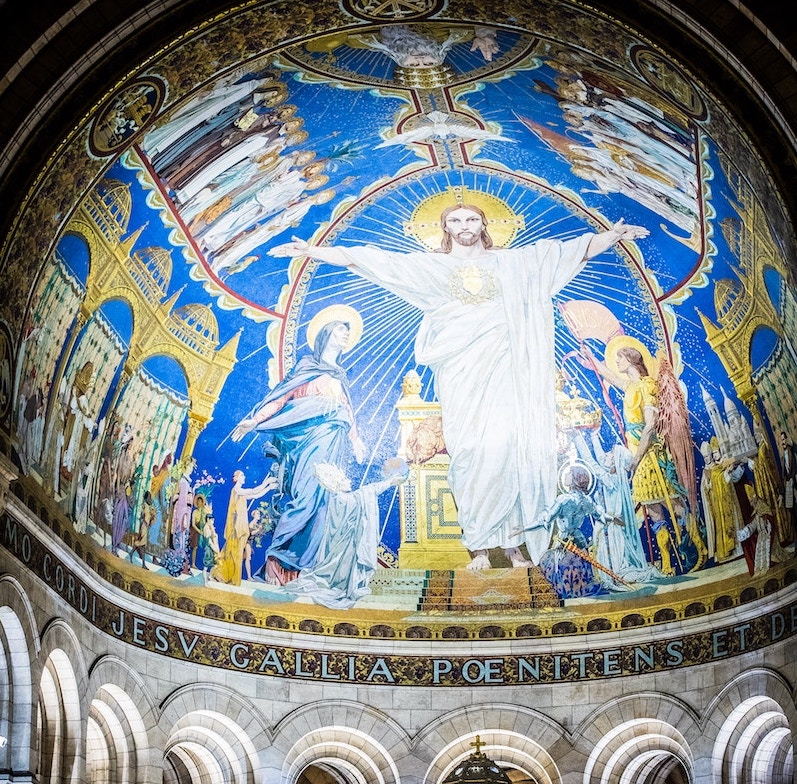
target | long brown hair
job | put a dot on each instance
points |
(635, 358)
(446, 243)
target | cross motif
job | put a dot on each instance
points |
(478, 744)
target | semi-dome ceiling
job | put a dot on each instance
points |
(156, 320)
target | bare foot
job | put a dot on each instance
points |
(480, 562)
(517, 559)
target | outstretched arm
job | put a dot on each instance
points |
(619, 232)
(591, 362)
(298, 247)
(261, 415)
(269, 483)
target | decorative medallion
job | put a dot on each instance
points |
(393, 10)
(125, 114)
(668, 79)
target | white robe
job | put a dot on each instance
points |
(493, 362)
(194, 113)
(347, 557)
(251, 146)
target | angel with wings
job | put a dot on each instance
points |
(657, 432)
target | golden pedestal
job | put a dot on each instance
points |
(430, 533)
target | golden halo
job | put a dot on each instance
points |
(424, 224)
(343, 313)
(626, 341)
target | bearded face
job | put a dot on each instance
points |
(464, 226)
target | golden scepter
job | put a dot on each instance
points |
(585, 556)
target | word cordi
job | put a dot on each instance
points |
(183, 643)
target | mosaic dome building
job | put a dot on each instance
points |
(396, 391)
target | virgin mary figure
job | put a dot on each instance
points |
(309, 419)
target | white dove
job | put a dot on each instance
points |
(439, 124)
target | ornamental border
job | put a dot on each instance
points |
(455, 623)
(181, 643)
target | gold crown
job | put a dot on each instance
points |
(574, 411)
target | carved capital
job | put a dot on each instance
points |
(8, 474)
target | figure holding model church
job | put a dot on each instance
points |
(488, 335)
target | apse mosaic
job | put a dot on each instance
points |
(412, 314)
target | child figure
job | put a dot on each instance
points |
(256, 530)
(210, 543)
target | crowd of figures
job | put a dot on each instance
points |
(230, 163)
(628, 513)
(625, 516)
(632, 514)
(320, 536)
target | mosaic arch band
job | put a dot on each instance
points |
(488, 335)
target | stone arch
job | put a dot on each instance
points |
(514, 737)
(194, 762)
(18, 647)
(62, 704)
(636, 749)
(224, 748)
(345, 751)
(638, 736)
(213, 733)
(107, 751)
(753, 728)
(121, 724)
(348, 738)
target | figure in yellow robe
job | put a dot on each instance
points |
(229, 562)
